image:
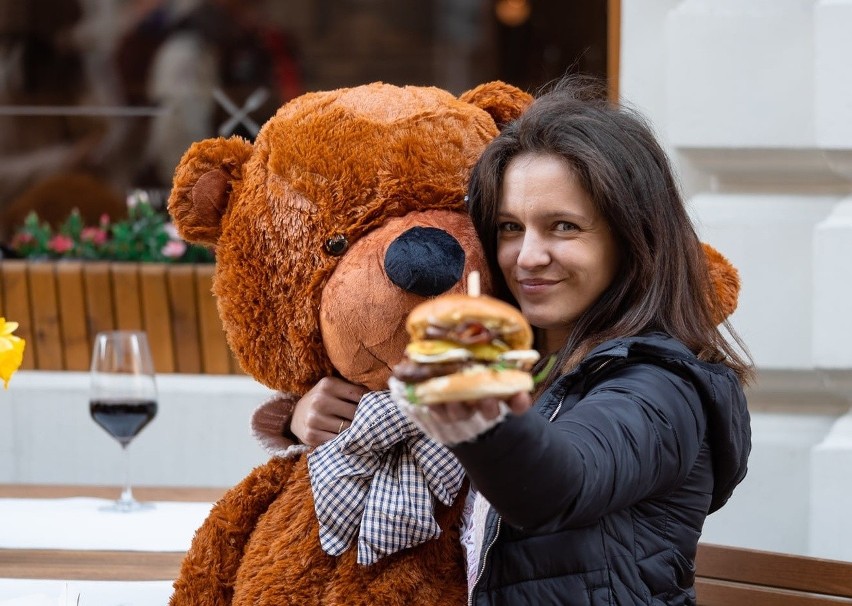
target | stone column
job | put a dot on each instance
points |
(832, 328)
(753, 99)
(741, 111)
(831, 461)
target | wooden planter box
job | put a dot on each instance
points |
(61, 305)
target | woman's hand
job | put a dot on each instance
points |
(326, 410)
(456, 422)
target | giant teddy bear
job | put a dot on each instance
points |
(346, 212)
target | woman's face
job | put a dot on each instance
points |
(556, 252)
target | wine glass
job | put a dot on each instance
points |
(123, 396)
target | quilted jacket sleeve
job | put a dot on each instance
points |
(637, 433)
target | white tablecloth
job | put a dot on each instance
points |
(25, 592)
(77, 523)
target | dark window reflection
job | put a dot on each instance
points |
(116, 90)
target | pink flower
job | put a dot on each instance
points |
(104, 222)
(22, 239)
(60, 244)
(174, 249)
(95, 235)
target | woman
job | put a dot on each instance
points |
(595, 489)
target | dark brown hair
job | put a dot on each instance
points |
(663, 280)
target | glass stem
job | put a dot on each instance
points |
(126, 494)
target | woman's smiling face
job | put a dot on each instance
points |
(555, 250)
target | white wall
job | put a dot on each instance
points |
(753, 99)
(200, 436)
(794, 495)
(795, 498)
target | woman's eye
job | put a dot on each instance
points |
(565, 226)
(508, 226)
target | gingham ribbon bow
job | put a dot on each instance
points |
(377, 480)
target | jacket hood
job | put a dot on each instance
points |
(728, 419)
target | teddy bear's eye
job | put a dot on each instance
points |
(336, 245)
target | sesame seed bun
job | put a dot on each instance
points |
(473, 384)
(452, 309)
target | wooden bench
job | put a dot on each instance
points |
(732, 576)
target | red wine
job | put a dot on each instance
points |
(123, 419)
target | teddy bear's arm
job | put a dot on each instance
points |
(209, 569)
(270, 425)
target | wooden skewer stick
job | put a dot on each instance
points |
(473, 284)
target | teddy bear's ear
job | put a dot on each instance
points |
(502, 101)
(202, 186)
(725, 280)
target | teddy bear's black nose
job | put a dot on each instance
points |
(425, 261)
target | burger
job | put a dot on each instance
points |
(466, 348)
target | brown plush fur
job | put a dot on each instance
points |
(332, 163)
(279, 561)
(726, 283)
(365, 359)
(367, 163)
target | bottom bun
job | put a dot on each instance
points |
(473, 384)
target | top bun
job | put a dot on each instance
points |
(453, 309)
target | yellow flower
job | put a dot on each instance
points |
(11, 350)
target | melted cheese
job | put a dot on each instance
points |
(433, 351)
(488, 351)
(430, 347)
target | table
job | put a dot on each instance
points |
(89, 564)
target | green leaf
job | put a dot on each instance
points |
(410, 394)
(501, 365)
(141, 236)
(542, 374)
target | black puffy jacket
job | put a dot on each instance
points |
(602, 495)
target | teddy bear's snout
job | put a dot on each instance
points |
(426, 261)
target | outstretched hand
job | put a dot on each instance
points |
(456, 422)
(325, 411)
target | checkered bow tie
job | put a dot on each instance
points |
(377, 480)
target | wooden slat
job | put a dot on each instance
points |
(156, 315)
(712, 592)
(184, 313)
(199, 494)
(72, 315)
(784, 571)
(15, 305)
(613, 49)
(215, 355)
(89, 565)
(45, 316)
(126, 294)
(97, 286)
(233, 364)
(48, 300)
